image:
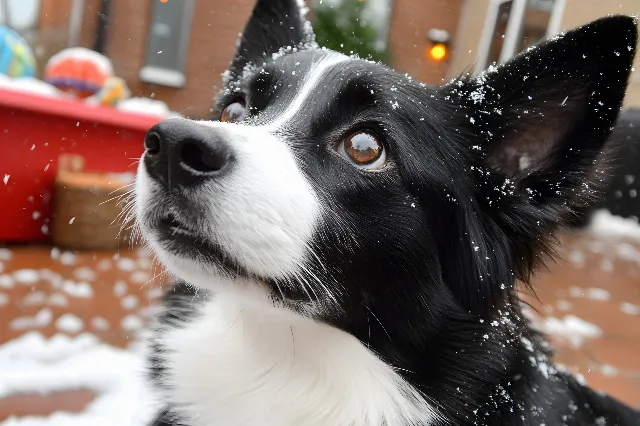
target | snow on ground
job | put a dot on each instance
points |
(604, 224)
(33, 364)
(572, 328)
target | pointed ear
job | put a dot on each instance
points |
(543, 118)
(274, 25)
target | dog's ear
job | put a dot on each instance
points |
(274, 25)
(544, 117)
(537, 130)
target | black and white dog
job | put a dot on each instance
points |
(352, 238)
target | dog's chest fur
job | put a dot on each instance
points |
(236, 363)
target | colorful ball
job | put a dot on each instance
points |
(80, 71)
(16, 56)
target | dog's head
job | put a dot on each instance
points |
(339, 184)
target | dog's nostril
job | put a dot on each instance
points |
(152, 143)
(204, 160)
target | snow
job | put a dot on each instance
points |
(29, 85)
(26, 276)
(146, 106)
(85, 274)
(58, 299)
(129, 302)
(140, 277)
(132, 323)
(84, 54)
(32, 364)
(590, 293)
(126, 264)
(80, 290)
(68, 258)
(604, 224)
(70, 323)
(630, 308)
(41, 319)
(120, 288)
(34, 298)
(6, 254)
(100, 323)
(572, 328)
(6, 281)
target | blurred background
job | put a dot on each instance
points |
(80, 83)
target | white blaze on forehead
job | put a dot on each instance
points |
(309, 87)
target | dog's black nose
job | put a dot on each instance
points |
(181, 153)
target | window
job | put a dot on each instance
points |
(512, 26)
(168, 41)
(20, 15)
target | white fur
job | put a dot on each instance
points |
(262, 212)
(327, 61)
(243, 361)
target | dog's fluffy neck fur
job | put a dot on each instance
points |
(269, 366)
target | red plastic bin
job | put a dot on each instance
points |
(34, 131)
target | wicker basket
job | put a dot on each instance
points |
(87, 207)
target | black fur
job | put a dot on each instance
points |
(426, 254)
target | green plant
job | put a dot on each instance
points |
(340, 27)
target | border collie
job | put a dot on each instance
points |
(348, 241)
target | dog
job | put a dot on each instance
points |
(348, 241)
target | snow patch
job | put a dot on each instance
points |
(70, 323)
(100, 323)
(28, 85)
(83, 54)
(630, 308)
(129, 302)
(85, 274)
(5, 254)
(572, 328)
(40, 320)
(6, 281)
(132, 323)
(146, 106)
(26, 276)
(120, 289)
(590, 293)
(32, 364)
(604, 224)
(80, 290)
(34, 298)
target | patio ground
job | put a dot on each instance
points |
(588, 303)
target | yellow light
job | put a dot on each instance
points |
(438, 51)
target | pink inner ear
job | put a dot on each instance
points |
(529, 144)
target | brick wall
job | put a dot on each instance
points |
(410, 22)
(214, 31)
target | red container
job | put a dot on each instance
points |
(34, 131)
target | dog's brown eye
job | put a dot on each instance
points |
(364, 150)
(233, 113)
